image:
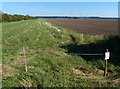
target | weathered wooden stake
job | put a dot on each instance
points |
(25, 60)
(107, 55)
(105, 73)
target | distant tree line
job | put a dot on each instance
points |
(11, 18)
(67, 17)
(75, 17)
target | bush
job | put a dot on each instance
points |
(11, 18)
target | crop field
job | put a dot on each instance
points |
(47, 55)
(89, 26)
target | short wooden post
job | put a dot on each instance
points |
(105, 73)
(107, 55)
(25, 60)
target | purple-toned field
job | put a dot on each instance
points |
(89, 26)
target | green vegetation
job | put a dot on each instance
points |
(54, 67)
(11, 18)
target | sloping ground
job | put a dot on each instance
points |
(48, 63)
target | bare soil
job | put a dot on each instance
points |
(89, 26)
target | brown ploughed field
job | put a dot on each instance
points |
(89, 26)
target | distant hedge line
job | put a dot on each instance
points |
(11, 18)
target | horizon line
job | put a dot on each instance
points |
(77, 16)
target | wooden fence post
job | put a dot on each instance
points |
(105, 73)
(107, 55)
(25, 60)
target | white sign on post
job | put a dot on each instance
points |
(107, 55)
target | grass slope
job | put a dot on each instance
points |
(53, 67)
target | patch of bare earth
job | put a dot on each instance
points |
(89, 26)
(91, 76)
(85, 76)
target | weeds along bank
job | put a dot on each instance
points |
(51, 65)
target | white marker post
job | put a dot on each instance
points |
(107, 56)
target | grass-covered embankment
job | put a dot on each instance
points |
(54, 67)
